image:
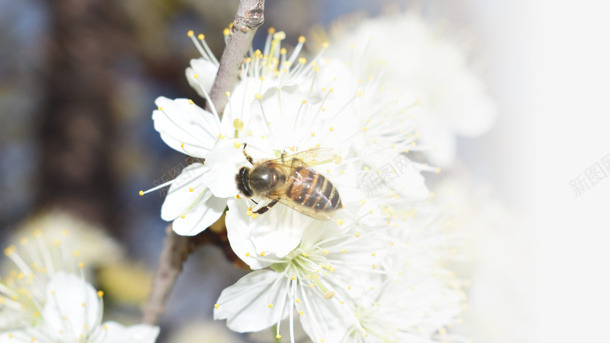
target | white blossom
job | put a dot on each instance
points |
(46, 299)
(419, 60)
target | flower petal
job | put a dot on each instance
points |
(277, 232)
(186, 193)
(201, 75)
(70, 301)
(117, 333)
(255, 302)
(224, 162)
(185, 127)
(201, 217)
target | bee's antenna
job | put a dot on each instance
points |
(248, 157)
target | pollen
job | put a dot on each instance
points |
(141, 193)
(303, 101)
(258, 96)
(331, 129)
(195, 76)
(236, 145)
(248, 254)
(201, 36)
(160, 108)
(237, 196)
(270, 305)
(325, 252)
(182, 216)
(191, 101)
(182, 145)
(216, 306)
(190, 33)
(191, 189)
(262, 254)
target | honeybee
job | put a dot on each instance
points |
(290, 181)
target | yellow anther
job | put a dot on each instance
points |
(237, 196)
(303, 101)
(228, 93)
(262, 254)
(283, 51)
(182, 216)
(313, 134)
(374, 266)
(248, 254)
(258, 96)
(357, 234)
(279, 35)
(360, 93)
(81, 265)
(195, 76)
(330, 90)
(216, 306)
(201, 36)
(302, 39)
(301, 313)
(182, 145)
(271, 30)
(270, 305)
(141, 193)
(190, 33)
(331, 129)
(325, 252)
(236, 144)
(278, 336)
(254, 215)
(160, 108)
(226, 32)
(343, 251)
(23, 241)
(302, 60)
(191, 189)
(100, 294)
(437, 170)
(340, 221)
(191, 101)
(325, 45)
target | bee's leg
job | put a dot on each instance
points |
(248, 157)
(267, 207)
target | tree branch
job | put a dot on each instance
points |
(176, 249)
(249, 16)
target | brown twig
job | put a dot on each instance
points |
(249, 16)
(176, 249)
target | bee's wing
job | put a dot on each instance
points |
(297, 179)
(311, 157)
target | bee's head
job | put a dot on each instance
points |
(241, 179)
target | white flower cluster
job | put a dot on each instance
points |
(419, 60)
(45, 298)
(350, 250)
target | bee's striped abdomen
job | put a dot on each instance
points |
(311, 189)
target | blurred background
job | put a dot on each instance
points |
(78, 79)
